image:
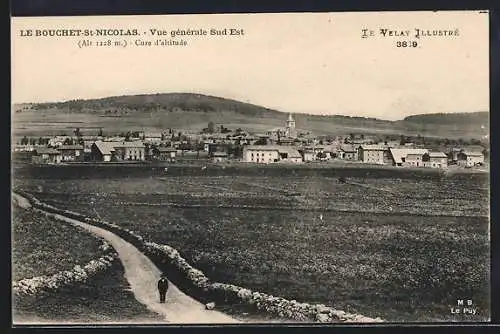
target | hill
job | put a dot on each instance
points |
(193, 111)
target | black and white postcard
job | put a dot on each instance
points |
(251, 168)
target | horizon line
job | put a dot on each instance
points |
(246, 102)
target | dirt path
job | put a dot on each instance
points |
(143, 275)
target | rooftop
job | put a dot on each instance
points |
(437, 155)
(70, 147)
(46, 150)
(105, 147)
(399, 153)
(373, 147)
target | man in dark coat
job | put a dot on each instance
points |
(162, 288)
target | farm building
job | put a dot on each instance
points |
(261, 153)
(289, 154)
(118, 151)
(435, 160)
(407, 157)
(313, 153)
(165, 153)
(372, 154)
(308, 155)
(348, 152)
(71, 152)
(132, 151)
(330, 151)
(102, 151)
(271, 153)
(219, 156)
(45, 155)
(470, 159)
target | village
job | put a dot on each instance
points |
(218, 144)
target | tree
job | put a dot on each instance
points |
(100, 134)
(211, 127)
(261, 141)
(402, 140)
(24, 141)
(77, 132)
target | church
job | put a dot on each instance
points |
(288, 132)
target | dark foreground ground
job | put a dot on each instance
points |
(404, 247)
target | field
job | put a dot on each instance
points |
(404, 248)
(41, 246)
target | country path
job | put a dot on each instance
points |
(143, 275)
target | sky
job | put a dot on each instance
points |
(313, 63)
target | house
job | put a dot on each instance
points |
(102, 151)
(45, 155)
(131, 151)
(271, 153)
(219, 156)
(331, 151)
(435, 160)
(407, 157)
(164, 153)
(348, 152)
(308, 155)
(373, 154)
(313, 153)
(289, 154)
(71, 152)
(470, 159)
(261, 153)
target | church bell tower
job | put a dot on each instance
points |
(290, 127)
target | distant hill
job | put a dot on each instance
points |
(480, 118)
(194, 111)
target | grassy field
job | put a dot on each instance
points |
(404, 249)
(41, 246)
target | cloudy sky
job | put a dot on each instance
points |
(309, 63)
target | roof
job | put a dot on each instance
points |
(331, 148)
(130, 144)
(473, 154)
(399, 153)
(437, 155)
(70, 147)
(290, 151)
(46, 150)
(373, 147)
(348, 148)
(219, 154)
(105, 147)
(263, 147)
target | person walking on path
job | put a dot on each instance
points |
(162, 287)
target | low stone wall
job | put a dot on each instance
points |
(194, 282)
(42, 285)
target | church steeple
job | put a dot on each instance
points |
(290, 126)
